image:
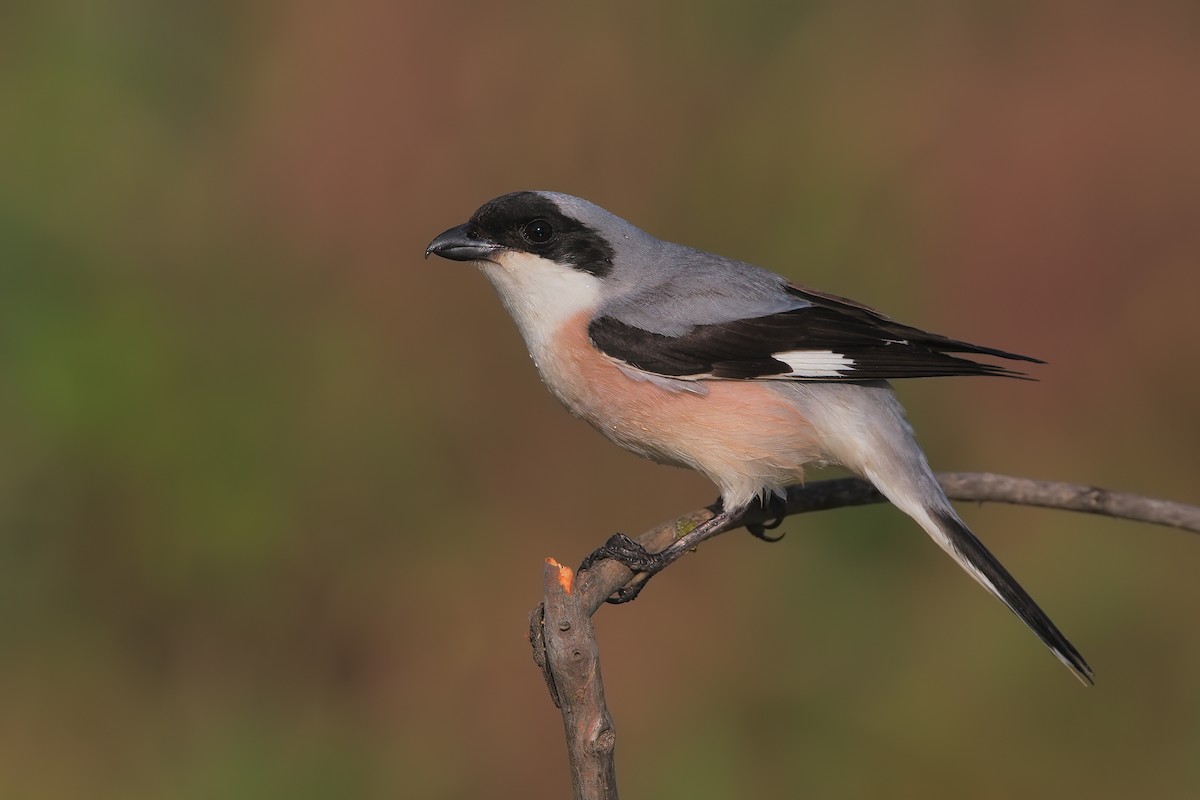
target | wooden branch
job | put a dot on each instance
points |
(988, 487)
(564, 641)
(606, 577)
(564, 646)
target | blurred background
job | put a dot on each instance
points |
(275, 492)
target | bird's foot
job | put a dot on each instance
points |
(626, 551)
(630, 554)
(778, 506)
(645, 564)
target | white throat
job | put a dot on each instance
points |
(540, 295)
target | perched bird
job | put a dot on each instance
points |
(695, 360)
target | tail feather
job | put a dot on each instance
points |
(984, 567)
(863, 428)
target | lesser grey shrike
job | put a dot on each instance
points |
(695, 360)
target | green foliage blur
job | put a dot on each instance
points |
(275, 492)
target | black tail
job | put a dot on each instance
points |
(997, 579)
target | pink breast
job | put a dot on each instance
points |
(737, 432)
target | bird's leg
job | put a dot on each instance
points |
(778, 507)
(645, 564)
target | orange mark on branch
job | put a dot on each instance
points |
(566, 575)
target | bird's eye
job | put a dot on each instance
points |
(538, 232)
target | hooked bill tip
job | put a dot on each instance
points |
(460, 243)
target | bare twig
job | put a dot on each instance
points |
(608, 576)
(563, 639)
(570, 662)
(988, 487)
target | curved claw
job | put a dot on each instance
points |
(629, 592)
(759, 531)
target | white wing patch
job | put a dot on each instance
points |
(816, 363)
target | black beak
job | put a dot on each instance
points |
(458, 244)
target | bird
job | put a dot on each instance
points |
(696, 360)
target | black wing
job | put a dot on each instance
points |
(830, 339)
